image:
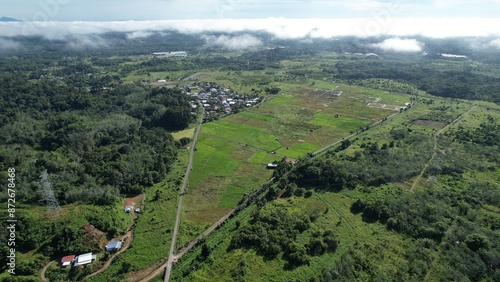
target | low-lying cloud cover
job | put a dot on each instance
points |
(400, 45)
(8, 44)
(399, 31)
(86, 41)
(279, 27)
(233, 42)
(495, 43)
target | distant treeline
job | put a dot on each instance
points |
(458, 82)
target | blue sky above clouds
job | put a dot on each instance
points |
(111, 10)
(57, 19)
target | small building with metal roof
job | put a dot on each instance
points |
(113, 246)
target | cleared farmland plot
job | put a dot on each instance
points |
(243, 134)
(344, 124)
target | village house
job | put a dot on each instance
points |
(67, 260)
(85, 259)
(113, 246)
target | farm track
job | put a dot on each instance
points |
(170, 260)
(42, 274)
(183, 251)
(435, 149)
(128, 237)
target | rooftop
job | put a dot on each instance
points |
(84, 259)
(113, 245)
(65, 261)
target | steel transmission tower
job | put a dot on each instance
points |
(48, 193)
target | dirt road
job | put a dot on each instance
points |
(181, 197)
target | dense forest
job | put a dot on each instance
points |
(89, 131)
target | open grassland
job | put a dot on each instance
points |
(223, 171)
(187, 133)
(341, 123)
(334, 210)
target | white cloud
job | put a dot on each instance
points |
(139, 34)
(233, 42)
(495, 43)
(86, 41)
(8, 44)
(279, 27)
(400, 45)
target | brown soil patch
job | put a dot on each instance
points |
(135, 201)
(429, 123)
(140, 274)
(93, 236)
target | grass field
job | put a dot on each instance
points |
(335, 211)
(189, 133)
(341, 123)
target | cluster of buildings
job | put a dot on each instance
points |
(73, 260)
(88, 258)
(170, 54)
(217, 99)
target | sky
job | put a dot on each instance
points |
(60, 19)
(120, 10)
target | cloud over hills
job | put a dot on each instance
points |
(400, 45)
(233, 42)
(279, 27)
(8, 44)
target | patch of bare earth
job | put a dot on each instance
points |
(140, 274)
(429, 123)
(135, 201)
(93, 236)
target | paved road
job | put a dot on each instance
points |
(179, 207)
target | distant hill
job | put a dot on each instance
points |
(7, 19)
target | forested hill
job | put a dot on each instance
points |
(96, 136)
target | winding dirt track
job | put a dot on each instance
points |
(127, 238)
(45, 270)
